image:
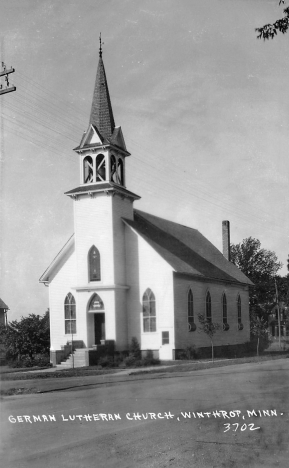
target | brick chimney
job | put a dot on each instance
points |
(226, 239)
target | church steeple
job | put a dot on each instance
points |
(101, 115)
(102, 149)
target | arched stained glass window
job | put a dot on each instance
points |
(239, 309)
(96, 304)
(149, 311)
(190, 306)
(70, 314)
(208, 307)
(225, 310)
(94, 264)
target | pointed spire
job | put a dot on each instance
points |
(101, 111)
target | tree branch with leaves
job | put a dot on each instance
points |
(269, 31)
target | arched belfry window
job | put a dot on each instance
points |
(70, 314)
(113, 169)
(120, 171)
(96, 304)
(87, 170)
(208, 307)
(100, 168)
(149, 311)
(94, 264)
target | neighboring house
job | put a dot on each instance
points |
(3, 312)
(125, 273)
(3, 321)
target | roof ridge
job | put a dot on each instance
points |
(185, 248)
(167, 221)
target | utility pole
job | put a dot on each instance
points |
(278, 309)
(5, 72)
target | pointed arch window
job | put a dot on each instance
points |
(70, 314)
(191, 318)
(149, 311)
(190, 306)
(96, 304)
(94, 264)
(208, 307)
(100, 168)
(87, 170)
(239, 309)
(225, 310)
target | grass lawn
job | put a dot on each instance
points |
(173, 366)
(188, 366)
(80, 371)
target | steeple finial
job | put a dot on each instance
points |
(100, 44)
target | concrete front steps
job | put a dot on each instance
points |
(79, 360)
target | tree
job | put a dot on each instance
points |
(27, 337)
(209, 328)
(134, 349)
(258, 327)
(260, 266)
(269, 31)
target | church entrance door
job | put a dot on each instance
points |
(99, 327)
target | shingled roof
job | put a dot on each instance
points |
(185, 249)
(101, 115)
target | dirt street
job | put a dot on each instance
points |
(231, 417)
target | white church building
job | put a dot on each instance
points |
(125, 273)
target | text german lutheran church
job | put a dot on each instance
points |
(125, 273)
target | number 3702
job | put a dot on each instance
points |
(242, 428)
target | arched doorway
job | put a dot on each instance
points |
(96, 306)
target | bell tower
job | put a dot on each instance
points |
(100, 202)
(102, 150)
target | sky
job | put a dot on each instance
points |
(203, 105)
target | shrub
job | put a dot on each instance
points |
(129, 361)
(27, 361)
(106, 361)
(149, 359)
(134, 349)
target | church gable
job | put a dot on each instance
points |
(117, 138)
(58, 262)
(91, 137)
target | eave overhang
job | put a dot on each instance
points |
(209, 279)
(97, 146)
(107, 187)
(45, 277)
